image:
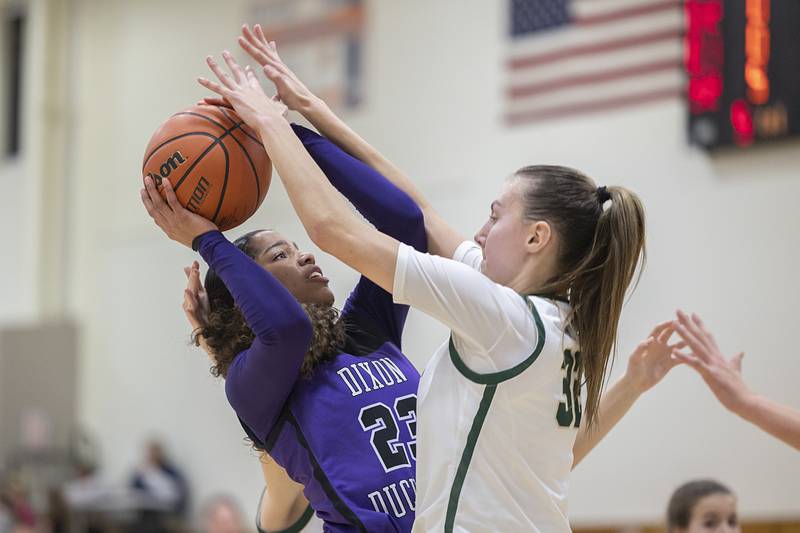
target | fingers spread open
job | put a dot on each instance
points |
(254, 51)
(251, 76)
(236, 70)
(692, 341)
(221, 75)
(707, 336)
(695, 328)
(213, 86)
(259, 33)
(689, 359)
(218, 102)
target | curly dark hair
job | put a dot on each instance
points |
(227, 333)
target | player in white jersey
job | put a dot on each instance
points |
(499, 405)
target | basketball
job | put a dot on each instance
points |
(215, 163)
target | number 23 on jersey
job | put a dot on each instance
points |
(384, 422)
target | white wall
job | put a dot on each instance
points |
(19, 200)
(722, 241)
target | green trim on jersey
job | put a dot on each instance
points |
(494, 378)
(466, 457)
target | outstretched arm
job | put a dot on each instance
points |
(647, 366)
(724, 377)
(388, 208)
(261, 377)
(442, 238)
(324, 212)
(433, 284)
(384, 205)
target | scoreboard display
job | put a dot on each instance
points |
(742, 59)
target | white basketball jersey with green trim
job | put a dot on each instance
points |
(498, 405)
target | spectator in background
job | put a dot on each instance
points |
(161, 480)
(16, 508)
(724, 377)
(85, 490)
(221, 514)
(702, 506)
(6, 519)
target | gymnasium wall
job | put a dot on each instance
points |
(722, 241)
(18, 208)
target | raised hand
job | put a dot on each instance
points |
(176, 221)
(195, 305)
(291, 90)
(195, 299)
(647, 365)
(652, 359)
(722, 375)
(241, 89)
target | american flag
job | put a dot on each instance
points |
(568, 57)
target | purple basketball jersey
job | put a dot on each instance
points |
(349, 435)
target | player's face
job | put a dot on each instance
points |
(296, 270)
(502, 238)
(715, 513)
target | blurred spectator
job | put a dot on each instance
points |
(221, 514)
(78, 500)
(702, 506)
(161, 480)
(6, 520)
(86, 490)
(57, 512)
(14, 505)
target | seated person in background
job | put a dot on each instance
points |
(161, 480)
(85, 490)
(724, 377)
(16, 513)
(701, 506)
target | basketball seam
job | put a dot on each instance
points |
(218, 140)
(249, 159)
(201, 156)
(224, 112)
(255, 172)
(224, 183)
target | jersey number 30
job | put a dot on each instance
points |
(382, 422)
(569, 409)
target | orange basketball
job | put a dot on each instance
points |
(214, 162)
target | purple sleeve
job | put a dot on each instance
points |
(388, 208)
(260, 378)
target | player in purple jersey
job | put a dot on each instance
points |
(333, 401)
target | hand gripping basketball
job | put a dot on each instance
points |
(176, 221)
(216, 165)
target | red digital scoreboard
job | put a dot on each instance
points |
(743, 64)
